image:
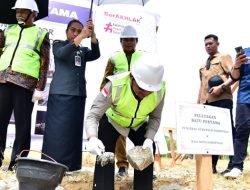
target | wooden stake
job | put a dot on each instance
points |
(157, 159)
(172, 147)
(204, 172)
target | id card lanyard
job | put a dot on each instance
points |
(78, 59)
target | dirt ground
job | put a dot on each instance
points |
(180, 177)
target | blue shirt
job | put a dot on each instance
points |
(243, 96)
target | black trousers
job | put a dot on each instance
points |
(104, 176)
(229, 105)
(17, 99)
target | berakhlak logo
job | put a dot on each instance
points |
(108, 27)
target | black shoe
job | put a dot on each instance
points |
(226, 171)
(122, 173)
(12, 166)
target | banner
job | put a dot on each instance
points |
(111, 19)
(63, 13)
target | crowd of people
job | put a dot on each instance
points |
(217, 75)
(129, 104)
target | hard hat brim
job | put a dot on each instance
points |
(14, 8)
(151, 88)
(122, 37)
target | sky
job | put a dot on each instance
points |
(180, 38)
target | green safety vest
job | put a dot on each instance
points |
(26, 59)
(120, 62)
(126, 110)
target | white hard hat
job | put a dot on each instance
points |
(148, 72)
(26, 4)
(129, 32)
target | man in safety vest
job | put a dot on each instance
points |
(23, 73)
(130, 104)
(118, 62)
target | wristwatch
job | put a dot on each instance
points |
(224, 88)
(236, 68)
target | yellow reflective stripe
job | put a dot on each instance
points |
(112, 58)
(20, 45)
(39, 35)
(159, 96)
(117, 94)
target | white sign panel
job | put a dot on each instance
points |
(203, 129)
(111, 19)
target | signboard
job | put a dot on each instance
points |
(203, 129)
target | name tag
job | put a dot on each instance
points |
(77, 61)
